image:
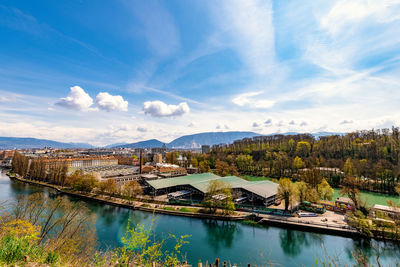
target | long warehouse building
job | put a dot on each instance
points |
(265, 191)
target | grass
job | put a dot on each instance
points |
(253, 178)
(371, 197)
(14, 249)
(194, 210)
(169, 208)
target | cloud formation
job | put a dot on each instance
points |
(220, 127)
(346, 122)
(268, 122)
(142, 129)
(77, 99)
(252, 100)
(160, 109)
(107, 102)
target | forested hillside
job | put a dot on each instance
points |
(371, 156)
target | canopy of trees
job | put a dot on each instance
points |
(372, 157)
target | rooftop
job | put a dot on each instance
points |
(201, 181)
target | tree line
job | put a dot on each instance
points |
(372, 157)
(40, 169)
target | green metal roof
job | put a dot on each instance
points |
(264, 189)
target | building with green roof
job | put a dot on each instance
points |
(264, 191)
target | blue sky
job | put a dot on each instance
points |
(113, 71)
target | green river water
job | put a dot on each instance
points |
(231, 241)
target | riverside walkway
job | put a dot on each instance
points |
(311, 224)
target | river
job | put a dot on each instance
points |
(231, 241)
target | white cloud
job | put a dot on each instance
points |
(4, 99)
(220, 127)
(347, 13)
(252, 100)
(142, 129)
(105, 101)
(160, 109)
(255, 125)
(346, 122)
(249, 23)
(191, 124)
(303, 124)
(77, 99)
(292, 122)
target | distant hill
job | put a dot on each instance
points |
(116, 145)
(316, 135)
(194, 140)
(21, 143)
(210, 138)
(143, 144)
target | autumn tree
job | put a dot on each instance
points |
(222, 168)
(81, 181)
(204, 166)
(298, 163)
(286, 191)
(109, 186)
(325, 191)
(303, 148)
(219, 195)
(172, 157)
(312, 177)
(244, 162)
(350, 189)
(132, 189)
(64, 227)
(301, 190)
(348, 167)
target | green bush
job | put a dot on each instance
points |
(13, 249)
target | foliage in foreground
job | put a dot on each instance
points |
(59, 232)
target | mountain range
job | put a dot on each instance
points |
(209, 138)
(194, 140)
(22, 142)
(186, 141)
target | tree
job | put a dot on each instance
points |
(244, 162)
(312, 177)
(301, 190)
(63, 227)
(80, 181)
(219, 194)
(397, 189)
(348, 167)
(108, 186)
(325, 190)
(298, 163)
(132, 189)
(286, 191)
(350, 188)
(303, 148)
(204, 166)
(172, 157)
(222, 168)
(195, 163)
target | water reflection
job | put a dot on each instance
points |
(221, 233)
(373, 250)
(232, 241)
(293, 242)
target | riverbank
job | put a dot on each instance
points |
(138, 205)
(185, 211)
